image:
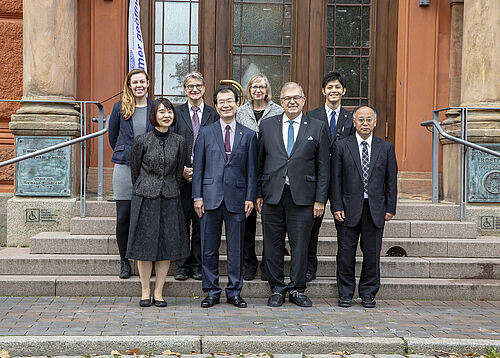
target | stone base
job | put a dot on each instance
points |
(4, 197)
(29, 216)
(487, 218)
(415, 185)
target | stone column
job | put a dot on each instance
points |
(49, 73)
(480, 87)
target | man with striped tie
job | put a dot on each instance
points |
(363, 197)
(292, 188)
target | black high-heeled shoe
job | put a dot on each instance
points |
(161, 303)
(145, 303)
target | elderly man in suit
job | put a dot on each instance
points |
(191, 116)
(340, 125)
(363, 196)
(293, 173)
(224, 187)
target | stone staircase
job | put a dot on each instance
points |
(445, 260)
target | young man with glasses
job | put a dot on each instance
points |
(339, 122)
(191, 116)
(292, 189)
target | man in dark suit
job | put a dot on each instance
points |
(224, 186)
(190, 117)
(363, 196)
(293, 173)
(340, 125)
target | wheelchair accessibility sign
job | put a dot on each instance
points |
(32, 215)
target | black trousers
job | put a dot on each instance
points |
(122, 226)
(312, 254)
(192, 222)
(277, 220)
(371, 244)
(250, 261)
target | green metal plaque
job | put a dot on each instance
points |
(484, 176)
(48, 174)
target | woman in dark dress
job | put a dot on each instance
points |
(157, 231)
(128, 119)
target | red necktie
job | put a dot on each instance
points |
(227, 141)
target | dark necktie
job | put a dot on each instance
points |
(291, 138)
(227, 141)
(332, 125)
(196, 126)
(365, 161)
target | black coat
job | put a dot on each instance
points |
(344, 127)
(157, 165)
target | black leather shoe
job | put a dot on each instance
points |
(145, 303)
(276, 300)
(345, 302)
(368, 302)
(161, 303)
(209, 301)
(124, 269)
(196, 274)
(181, 275)
(237, 301)
(300, 299)
(310, 276)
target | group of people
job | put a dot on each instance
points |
(181, 173)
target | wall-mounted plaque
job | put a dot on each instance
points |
(48, 174)
(484, 176)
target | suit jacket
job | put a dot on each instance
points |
(216, 178)
(308, 166)
(184, 125)
(156, 165)
(121, 134)
(344, 127)
(347, 185)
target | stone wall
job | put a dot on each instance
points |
(3, 217)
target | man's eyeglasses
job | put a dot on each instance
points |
(288, 99)
(229, 101)
(192, 87)
(367, 120)
(255, 88)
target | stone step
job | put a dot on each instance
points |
(65, 243)
(394, 228)
(405, 210)
(391, 288)
(19, 261)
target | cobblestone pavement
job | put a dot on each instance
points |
(122, 316)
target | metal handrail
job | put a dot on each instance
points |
(465, 144)
(103, 126)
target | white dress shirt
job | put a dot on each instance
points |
(200, 111)
(286, 125)
(329, 114)
(360, 148)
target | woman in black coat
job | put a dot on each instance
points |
(157, 230)
(128, 119)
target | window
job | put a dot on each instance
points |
(348, 46)
(262, 41)
(175, 46)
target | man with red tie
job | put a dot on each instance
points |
(224, 190)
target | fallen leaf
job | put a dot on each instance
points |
(4, 353)
(257, 322)
(133, 351)
(194, 352)
(196, 297)
(116, 353)
(222, 353)
(124, 324)
(261, 354)
(168, 352)
(339, 353)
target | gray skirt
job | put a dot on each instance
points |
(122, 182)
(157, 230)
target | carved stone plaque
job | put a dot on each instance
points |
(48, 174)
(484, 176)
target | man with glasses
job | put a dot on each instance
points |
(292, 188)
(224, 186)
(363, 196)
(339, 122)
(190, 117)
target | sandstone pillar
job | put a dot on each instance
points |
(49, 73)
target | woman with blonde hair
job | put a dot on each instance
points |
(128, 119)
(258, 107)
